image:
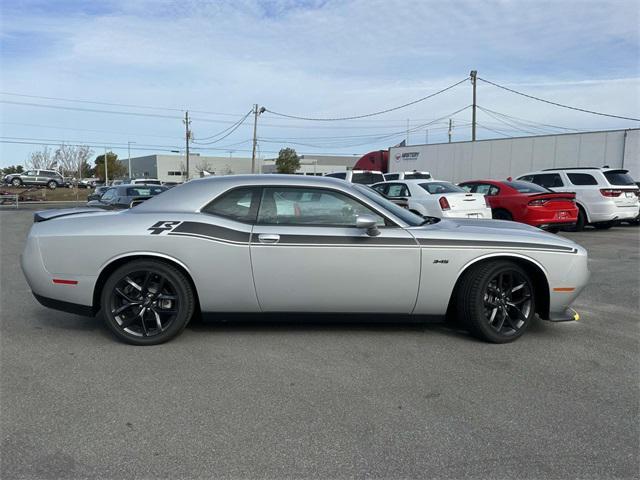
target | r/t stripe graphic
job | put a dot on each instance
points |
(163, 226)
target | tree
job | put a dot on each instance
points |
(202, 166)
(287, 161)
(41, 160)
(71, 159)
(12, 169)
(116, 169)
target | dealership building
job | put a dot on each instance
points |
(511, 157)
(172, 168)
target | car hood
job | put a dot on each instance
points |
(489, 230)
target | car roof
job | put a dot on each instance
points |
(194, 194)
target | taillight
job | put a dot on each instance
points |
(537, 203)
(444, 203)
(609, 192)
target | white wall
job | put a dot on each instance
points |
(501, 158)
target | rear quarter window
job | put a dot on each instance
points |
(240, 204)
(582, 179)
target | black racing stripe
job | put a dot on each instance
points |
(343, 240)
(212, 231)
(491, 244)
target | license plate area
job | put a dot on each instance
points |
(473, 215)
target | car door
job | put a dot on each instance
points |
(30, 177)
(308, 256)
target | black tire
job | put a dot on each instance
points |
(52, 185)
(553, 229)
(155, 299)
(501, 214)
(581, 221)
(493, 308)
(603, 225)
(16, 182)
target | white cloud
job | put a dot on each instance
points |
(328, 58)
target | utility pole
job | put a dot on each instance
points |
(426, 136)
(474, 75)
(106, 167)
(256, 112)
(129, 156)
(450, 129)
(407, 140)
(187, 137)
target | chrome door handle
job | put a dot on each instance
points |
(268, 238)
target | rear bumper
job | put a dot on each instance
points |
(476, 213)
(68, 307)
(547, 226)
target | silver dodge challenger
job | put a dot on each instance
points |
(286, 243)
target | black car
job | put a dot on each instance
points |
(97, 193)
(49, 178)
(125, 196)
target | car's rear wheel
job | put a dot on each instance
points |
(603, 225)
(581, 221)
(52, 185)
(147, 302)
(496, 301)
(16, 182)
(501, 214)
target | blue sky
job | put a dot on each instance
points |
(309, 58)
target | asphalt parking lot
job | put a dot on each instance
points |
(313, 400)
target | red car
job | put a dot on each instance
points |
(527, 203)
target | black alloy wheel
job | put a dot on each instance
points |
(507, 302)
(496, 301)
(501, 214)
(147, 302)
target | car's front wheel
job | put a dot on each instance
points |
(147, 302)
(496, 301)
(16, 182)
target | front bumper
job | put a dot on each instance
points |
(568, 315)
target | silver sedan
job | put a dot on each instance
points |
(284, 243)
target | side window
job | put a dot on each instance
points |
(31, 173)
(548, 180)
(310, 207)
(109, 195)
(493, 190)
(582, 179)
(239, 204)
(482, 188)
(383, 188)
(398, 190)
(526, 178)
(468, 187)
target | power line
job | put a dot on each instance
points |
(237, 124)
(129, 134)
(559, 104)
(524, 121)
(129, 105)
(368, 114)
(231, 129)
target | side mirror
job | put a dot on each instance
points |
(135, 202)
(368, 222)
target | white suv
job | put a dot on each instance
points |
(365, 177)
(604, 195)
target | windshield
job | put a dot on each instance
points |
(403, 214)
(527, 187)
(441, 187)
(619, 177)
(367, 178)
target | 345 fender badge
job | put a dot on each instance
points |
(441, 261)
(163, 226)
